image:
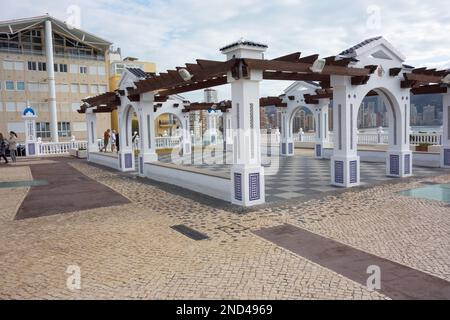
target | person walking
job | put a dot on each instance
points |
(113, 140)
(12, 146)
(106, 136)
(3, 146)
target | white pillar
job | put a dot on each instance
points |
(287, 139)
(91, 127)
(345, 161)
(31, 145)
(51, 81)
(211, 131)
(126, 155)
(228, 127)
(147, 140)
(399, 155)
(186, 134)
(321, 120)
(445, 153)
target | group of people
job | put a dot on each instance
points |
(8, 144)
(110, 138)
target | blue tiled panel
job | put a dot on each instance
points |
(128, 160)
(339, 172)
(407, 163)
(394, 163)
(238, 186)
(254, 186)
(446, 157)
(141, 165)
(318, 150)
(31, 149)
(291, 148)
(354, 171)
(283, 148)
(120, 161)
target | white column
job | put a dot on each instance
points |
(228, 127)
(445, 153)
(147, 138)
(126, 155)
(51, 81)
(186, 133)
(345, 161)
(247, 173)
(287, 139)
(91, 127)
(211, 131)
(399, 155)
(321, 120)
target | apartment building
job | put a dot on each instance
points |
(51, 67)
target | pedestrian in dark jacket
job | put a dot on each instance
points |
(3, 146)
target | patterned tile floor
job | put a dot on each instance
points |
(301, 175)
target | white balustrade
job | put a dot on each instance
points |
(59, 148)
(429, 138)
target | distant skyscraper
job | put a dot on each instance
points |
(429, 114)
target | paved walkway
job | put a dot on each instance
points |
(396, 281)
(132, 250)
(68, 190)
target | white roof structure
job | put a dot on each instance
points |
(58, 26)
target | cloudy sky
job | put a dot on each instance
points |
(172, 32)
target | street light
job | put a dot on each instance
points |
(184, 74)
(318, 66)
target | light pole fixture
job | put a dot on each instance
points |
(318, 65)
(185, 74)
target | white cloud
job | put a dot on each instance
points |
(174, 32)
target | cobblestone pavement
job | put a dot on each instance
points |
(130, 251)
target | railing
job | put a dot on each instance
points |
(59, 148)
(429, 138)
(168, 142)
(373, 138)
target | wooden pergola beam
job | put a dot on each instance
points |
(195, 86)
(430, 89)
(294, 76)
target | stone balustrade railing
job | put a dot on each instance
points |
(59, 148)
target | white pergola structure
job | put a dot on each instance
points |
(370, 68)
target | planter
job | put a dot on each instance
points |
(422, 148)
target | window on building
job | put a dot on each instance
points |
(20, 106)
(101, 70)
(83, 88)
(9, 85)
(62, 87)
(43, 87)
(93, 70)
(102, 88)
(20, 85)
(64, 129)
(19, 65)
(73, 68)
(33, 86)
(10, 107)
(83, 69)
(62, 67)
(42, 66)
(8, 65)
(32, 65)
(43, 129)
(1, 106)
(94, 88)
(75, 106)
